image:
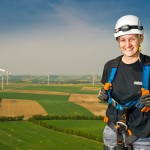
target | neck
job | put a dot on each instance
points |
(130, 60)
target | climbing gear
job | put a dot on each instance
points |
(109, 147)
(128, 24)
(146, 82)
(123, 132)
(102, 95)
(144, 89)
(145, 100)
(125, 137)
(125, 28)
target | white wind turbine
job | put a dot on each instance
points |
(7, 72)
(48, 79)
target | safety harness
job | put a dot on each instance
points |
(125, 137)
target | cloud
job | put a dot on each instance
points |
(64, 40)
(76, 47)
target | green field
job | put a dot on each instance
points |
(27, 136)
(61, 88)
(53, 104)
(24, 135)
(94, 127)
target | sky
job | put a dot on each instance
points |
(64, 37)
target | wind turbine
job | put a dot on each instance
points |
(7, 75)
(2, 70)
(7, 72)
(93, 79)
(48, 79)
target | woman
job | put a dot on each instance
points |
(128, 125)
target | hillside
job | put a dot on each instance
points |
(57, 79)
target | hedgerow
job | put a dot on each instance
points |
(65, 117)
(10, 118)
(67, 131)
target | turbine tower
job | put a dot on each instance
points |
(7, 72)
(48, 79)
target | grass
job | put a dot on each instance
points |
(53, 104)
(94, 127)
(64, 108)
(27, 136)
(59, 88)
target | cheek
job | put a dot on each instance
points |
(121, 45)
(136, 45)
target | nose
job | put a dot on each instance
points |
(128, 43)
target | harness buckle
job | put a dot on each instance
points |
(139, 105)
(114, 103)
(122, 125)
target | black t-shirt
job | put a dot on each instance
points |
(127, 82)
(126, 87)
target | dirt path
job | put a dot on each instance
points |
(38, 92)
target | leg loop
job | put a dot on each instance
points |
(110, 147)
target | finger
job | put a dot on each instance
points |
(147, 99)
(145, 96)
(146, 104)
(102, 96)
(102, 90)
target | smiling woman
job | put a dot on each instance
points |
(128, 108)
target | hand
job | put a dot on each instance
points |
(102, 95)
(145, 99)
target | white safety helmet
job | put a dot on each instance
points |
(128, 24)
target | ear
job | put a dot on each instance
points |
(141, 38)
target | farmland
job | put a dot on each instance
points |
(54, 99)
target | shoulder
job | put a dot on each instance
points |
(113, 62)
(107, 68)
(145, 59)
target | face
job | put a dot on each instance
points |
(129, 44)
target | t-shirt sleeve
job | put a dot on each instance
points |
(106, 71)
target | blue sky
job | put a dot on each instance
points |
(64, 36)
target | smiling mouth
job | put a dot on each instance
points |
(129, 49)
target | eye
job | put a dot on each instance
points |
(122, 40)
(133, 38)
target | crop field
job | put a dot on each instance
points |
(27, 136)
(20, 107)
(61, 100)
(94, 127)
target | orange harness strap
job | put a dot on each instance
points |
(146, 108)
(107, 86)
(105, 119)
